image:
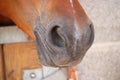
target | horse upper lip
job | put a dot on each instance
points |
(73, 50)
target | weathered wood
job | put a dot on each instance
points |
(72, 73)
(1, 64)
(18, 57)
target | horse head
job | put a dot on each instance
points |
(62, 30)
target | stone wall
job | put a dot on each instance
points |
(102, 61)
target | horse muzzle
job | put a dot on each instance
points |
(63, 43)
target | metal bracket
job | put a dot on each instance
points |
(38, 74)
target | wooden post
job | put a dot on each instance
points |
(72, 73)
(1, 64)
(18, 57)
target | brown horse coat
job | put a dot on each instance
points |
(63, 31)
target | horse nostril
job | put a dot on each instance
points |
(91, 26)
(56, 37)
(92, 33)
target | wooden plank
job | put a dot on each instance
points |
(18, 57)
(72, 73)
(1, 64)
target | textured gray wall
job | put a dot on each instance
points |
(102, 61)
(105, 15)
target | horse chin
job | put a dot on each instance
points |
(61, 58)
(57, 57)
(53, 56)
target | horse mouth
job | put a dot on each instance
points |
(59, 55)
(47, 55)
(59, 46)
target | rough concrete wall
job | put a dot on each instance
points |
(102, 61)
(105, 15)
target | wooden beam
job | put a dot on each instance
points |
(1, 64)
(18, 57)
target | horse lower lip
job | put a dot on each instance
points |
(44, 53)
(49, 61)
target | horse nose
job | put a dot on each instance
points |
(61, 36)
(91, 26)
(66, 35)
(70, 42)
(63, 43)
(56, 37)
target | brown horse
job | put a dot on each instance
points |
(62, 29)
